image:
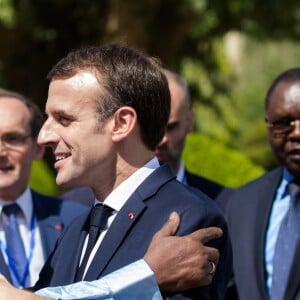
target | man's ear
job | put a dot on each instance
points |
(39, 153)
(125, 120)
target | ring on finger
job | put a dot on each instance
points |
(213, 267)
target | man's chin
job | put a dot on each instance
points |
(67, 183)
(7, 182)
(62, 183)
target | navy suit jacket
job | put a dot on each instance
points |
(210, 188)
(52, 215)
(128, 238)
(248, 214)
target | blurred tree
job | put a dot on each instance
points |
(210, 158)
(37, 33)
(190, 36)
(42, 179)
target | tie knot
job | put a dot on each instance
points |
(99, 215)
(11, 209)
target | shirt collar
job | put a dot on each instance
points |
(181, 173)
(117, 198)
(25, 203)
(287, 177)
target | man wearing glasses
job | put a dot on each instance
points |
(263, 216)
(30, 223)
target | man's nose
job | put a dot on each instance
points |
(46, 134)
(3, 147)
(296, 129)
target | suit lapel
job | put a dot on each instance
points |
(264, 199)
(293, 281)
(70, 249)
(115, 235)
(50, 226)
(126, 218)
(71, 260)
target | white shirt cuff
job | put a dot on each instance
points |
(134, 281)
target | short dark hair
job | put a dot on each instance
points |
(181, 82)
(36, 116)
(290, 75)
(129, 77)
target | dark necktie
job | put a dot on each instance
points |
(98, 220)
(287, 239)
(15, 247)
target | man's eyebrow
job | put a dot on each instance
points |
(59, 111)
(14, 132)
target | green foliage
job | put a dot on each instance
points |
(214, 160)
(42, 179)
(228, 76)
(7, 13)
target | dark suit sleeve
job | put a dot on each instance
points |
(209, 215)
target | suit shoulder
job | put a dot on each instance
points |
(208, 186)
(269, 177)
(45, 205)
(194, 200)
(249, 196)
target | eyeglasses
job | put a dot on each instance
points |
(283, 126)
(14, 140)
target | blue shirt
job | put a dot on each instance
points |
(279, 209)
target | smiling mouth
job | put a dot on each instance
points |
(294, 152)
(59, 157)
(5, 168)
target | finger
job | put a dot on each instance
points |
(213, 254)
(206, 234)
(171, 226)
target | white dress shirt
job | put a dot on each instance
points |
(24, 221)
(135, 281)
(117, 198)
(132, 282)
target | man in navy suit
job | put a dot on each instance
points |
(108, 108)
(41, 218)
(257, 210)
(180, 123)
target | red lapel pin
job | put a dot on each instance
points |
(130, 215)
(59, 227)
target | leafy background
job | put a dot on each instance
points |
(229, 52)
